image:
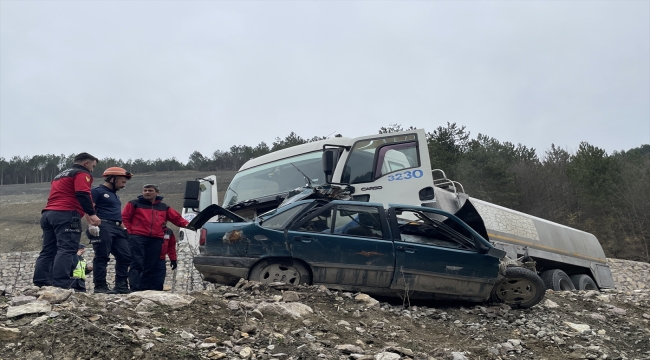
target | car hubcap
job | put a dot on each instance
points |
(280, 273)
(516, 291)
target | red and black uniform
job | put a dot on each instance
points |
(70, 190)
(144, 221)
(168, 249)
(69, 200)
(169, 246)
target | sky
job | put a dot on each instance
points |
(162, 79)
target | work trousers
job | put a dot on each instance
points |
(61, 237)
(79, 285)
(159, 275)
(114, 240)
(145, 253)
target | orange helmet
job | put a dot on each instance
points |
(116, 171)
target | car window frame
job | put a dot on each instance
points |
(294, 226)
(385, 228)
(392, 217)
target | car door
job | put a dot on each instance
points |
(345, 244)
(436, 253)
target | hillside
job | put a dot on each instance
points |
(21, 205)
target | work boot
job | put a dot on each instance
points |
(102, 289)
(122, 288)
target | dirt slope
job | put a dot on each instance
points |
(258, 321)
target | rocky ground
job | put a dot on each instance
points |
(276, 321)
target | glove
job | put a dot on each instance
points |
(93, 230)
(93, 239)
(173, 264)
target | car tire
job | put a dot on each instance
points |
(521, 288)
(583, 282)
(280, 270)
(557, 280)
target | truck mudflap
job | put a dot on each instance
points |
(603, 276)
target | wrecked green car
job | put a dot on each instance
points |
(361, 246)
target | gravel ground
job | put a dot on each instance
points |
(278, 321)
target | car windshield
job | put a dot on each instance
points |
(275, 177)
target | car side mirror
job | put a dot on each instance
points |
(191, 196)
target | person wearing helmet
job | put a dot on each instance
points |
(112, 237)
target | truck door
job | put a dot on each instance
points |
(386, 167)
(345, 245)
(437, 254)
(198, 196)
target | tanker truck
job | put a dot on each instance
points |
(394, 168)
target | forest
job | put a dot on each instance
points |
(604, 194)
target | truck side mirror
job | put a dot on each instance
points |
(427, 193)
(191, 196)
(328, 161)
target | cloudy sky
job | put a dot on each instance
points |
(149, 79)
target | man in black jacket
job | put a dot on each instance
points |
(113, 238)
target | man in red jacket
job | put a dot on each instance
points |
(144, 219)
(68, 202)
(168, 249)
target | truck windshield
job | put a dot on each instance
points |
(276, 177)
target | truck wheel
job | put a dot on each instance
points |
(521, 288)
(557, 280)
(583, 282)
(280, 270)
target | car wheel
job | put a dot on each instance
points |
(521, 288)
(583, 282)
(280, 270)
(557, 280)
